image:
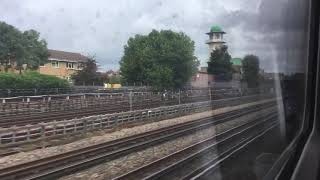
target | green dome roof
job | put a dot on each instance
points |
(215, 28)
(236, 61)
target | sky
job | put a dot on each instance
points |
(102, 27)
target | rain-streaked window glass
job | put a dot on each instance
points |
(149, 89)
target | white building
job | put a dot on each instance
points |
(215, 38)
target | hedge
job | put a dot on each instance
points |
(31, 80)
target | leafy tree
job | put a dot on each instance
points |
(161, 77)
(10, 44)
(114, 79)
(162, 59)
(220, 64)
(36, 52)
(88, 75)
(31, 80)
(250, 66)
(21, 47)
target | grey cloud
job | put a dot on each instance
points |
(102, 28)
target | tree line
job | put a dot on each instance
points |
(165, 60)
(220, 65)
(162, 59)
(22, 47)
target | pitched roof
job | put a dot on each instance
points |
(66, 56)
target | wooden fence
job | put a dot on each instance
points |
(16, 135)
(54, 103)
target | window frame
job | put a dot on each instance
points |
(288, 164)
(57, 64)
(72, 65)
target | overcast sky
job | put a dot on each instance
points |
(102, 27)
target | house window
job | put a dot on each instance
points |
(55, 64)
(41, 64)
(70, 65)
(79, 66)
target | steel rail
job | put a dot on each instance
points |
(178, 162)
(65, 163)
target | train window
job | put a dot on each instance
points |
(166, 89)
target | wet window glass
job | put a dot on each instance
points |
(149, 89)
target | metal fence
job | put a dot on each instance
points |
(28, 105)
(74, 90)
(16, 135)
(5, 93)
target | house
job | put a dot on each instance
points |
(10, 66)
(63, 64)
(111, 73)
(202, 79)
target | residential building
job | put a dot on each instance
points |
(63, 64)
(202, 78)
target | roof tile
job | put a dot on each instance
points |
(67, 56)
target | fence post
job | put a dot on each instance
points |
(74, 125)
(55, 127)
(14, 134)
(179, 96)
(9, 92)
(100, 121)
(130, 100)
(84, 125)
(43, 134)
(28, 132)
(43, 129)
(64, 126)
(165, 113)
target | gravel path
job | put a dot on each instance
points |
(46, 152)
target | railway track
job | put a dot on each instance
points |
(40, 106)
(203, 172)
(191, 162)
(63, 164)
(59, 116)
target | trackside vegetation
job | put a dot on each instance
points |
(31, 80)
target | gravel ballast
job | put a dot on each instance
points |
(135, 160)
(24, 157)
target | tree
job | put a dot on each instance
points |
(250, 66)
(114, 79)
(36, 52)
(220, 64)
(88, 75)
(163, 59)
(10, 44)
(21, 47)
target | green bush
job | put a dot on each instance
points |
(31, 80)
